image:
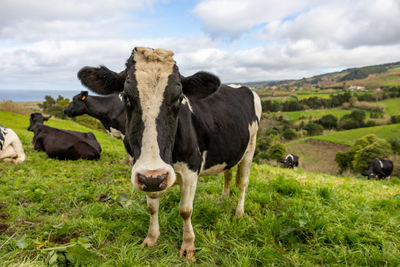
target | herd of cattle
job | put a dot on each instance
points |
(175, 128)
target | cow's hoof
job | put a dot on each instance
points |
(149, 242)
(239, 213)
(188, 250)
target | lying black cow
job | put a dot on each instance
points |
(179, 128)
(109, 110)
(290, 161)
(379, 168)
(62, 144)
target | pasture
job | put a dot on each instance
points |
(87, 213)
(316, 113)
(391, 106)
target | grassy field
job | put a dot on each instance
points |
(87, 213)
(392, 106)
(348, 137)
(316, 113)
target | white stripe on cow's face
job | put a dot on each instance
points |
(152, 69)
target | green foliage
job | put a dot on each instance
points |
(55, 107)
(353, 120)
(89, 122)
(87, 213)
(313, 129)
(262, 145)
(395, 119)
(362, 152)
(395, 143)
(276, 152)
(328, 121)
(289, 134)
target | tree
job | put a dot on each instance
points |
(313, 129)
(328, 121)
(277, 151)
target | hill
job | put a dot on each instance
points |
(369, 77)
(87, 213)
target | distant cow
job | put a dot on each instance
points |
(179, 128)
(109, 110)
(380, 168)
(10, 146)
(290, 161)
(62, 144)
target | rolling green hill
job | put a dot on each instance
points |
(88, 213)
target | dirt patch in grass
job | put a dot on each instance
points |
(3, 227)
(317, 155)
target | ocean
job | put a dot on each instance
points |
(34, 95)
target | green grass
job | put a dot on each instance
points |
(316, 113)
(392, 106)
(293, 218)
(350, 136)
(320, 95)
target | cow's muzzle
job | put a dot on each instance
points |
(152, 182)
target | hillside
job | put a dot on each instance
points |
(87, 212)
(369, 77)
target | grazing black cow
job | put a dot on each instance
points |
(62, 144)
(179, 128)
(109, 110)
(10, 146)
(290, 161)
(380, 168)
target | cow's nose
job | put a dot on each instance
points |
(152, 181)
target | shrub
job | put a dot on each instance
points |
(395, 143)
(289, 134)
(378, 149)
(362, 152)
(313, 129)
(370, 123)
(55, 107)
(395, 119)
(328, 121)
(276, 151)
(263, 143)
(272, 131)
(353, 120)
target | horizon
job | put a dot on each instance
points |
(44, 44)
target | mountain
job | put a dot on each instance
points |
(369, 77)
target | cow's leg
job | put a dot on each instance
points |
(244, 173)
(8, 153)
(188, 190)
(154, 228)
(227, 184)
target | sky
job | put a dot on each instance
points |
(44, 43)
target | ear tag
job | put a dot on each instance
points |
(83, 97)
(34, 118)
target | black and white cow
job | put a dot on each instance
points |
(380, 168)
(290, 161)
(109, 110)
(62, 144)
(10, 146)
(179, 128)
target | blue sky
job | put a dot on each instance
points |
(44, 43)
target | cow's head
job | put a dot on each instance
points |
(37, 119)
(78, 105)
(153, 91)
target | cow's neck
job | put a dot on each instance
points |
(98, 108)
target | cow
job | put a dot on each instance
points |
(179, 128)
(10, 146)
(379, 168)
(109, 110)
(290, 161)
(62, 144)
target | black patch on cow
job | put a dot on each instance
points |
(166, 122)
(134, 122)
(3, 132)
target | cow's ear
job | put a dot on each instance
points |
(84, 95)
(46, 118)
(102, 80)
(200, 85)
